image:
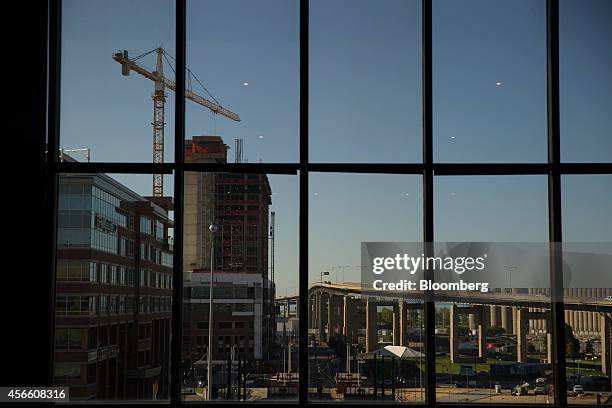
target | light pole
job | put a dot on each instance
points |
(213, 228)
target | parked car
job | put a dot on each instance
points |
(519, 390)
(540, 386)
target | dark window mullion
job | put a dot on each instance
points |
(51, 175)
(179, 150)
(554, 204)
(303, 228)
(428, 206)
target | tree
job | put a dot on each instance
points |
(572, 345)
(386, 317)
(338, 344)
(495, 331)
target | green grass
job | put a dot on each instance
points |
(444, 367)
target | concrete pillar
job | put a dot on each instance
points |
(504, 319)
(348, 316)
(605, 325)
(549, 352)
(483, 324)
(522, 325)
(371, 326)
(396, 324)
(494, 315)
(331, 316)
(513, 321)
(454, 334)
(320, 323)
(472, 321)
(403, 324)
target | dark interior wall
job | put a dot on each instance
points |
(26, 278)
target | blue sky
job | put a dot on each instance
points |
(365, 97)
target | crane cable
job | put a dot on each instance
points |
(194, 77)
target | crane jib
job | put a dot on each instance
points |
(128, 65)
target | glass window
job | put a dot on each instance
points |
(348, 325)
(365, 81)
(585, 62)
(247, 286)
(82, 302)
(489, 81)
(243, 59)
(587, 256)
(503, 340)
(107, 102)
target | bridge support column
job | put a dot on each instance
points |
(371, 328)
(472, 321)
(403, 324)
(331, 316)
(347, 306)
(504, 319)
(483, 324)
(454, 334)
(494, 315)
(396, 324)
(522, 326)
(605, 326)
(320, 324)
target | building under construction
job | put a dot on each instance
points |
(243, 294)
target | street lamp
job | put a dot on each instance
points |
(212, 228)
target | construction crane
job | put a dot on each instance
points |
(159, 99)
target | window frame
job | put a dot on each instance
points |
(427, 169)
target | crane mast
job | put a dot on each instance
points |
(159, 100)
(159, 124)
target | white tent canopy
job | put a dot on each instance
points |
(398, 351)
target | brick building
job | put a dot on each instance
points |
(113, 291)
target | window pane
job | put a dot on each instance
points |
(488, 347)
(102, 109)
(112, 324)
(587, 248)
(243, 55)
(585, 63)
(254, 335)
(344, 318)
(365, 81)
(489, 79)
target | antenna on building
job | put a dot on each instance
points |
(272, 215)
(239, 153)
